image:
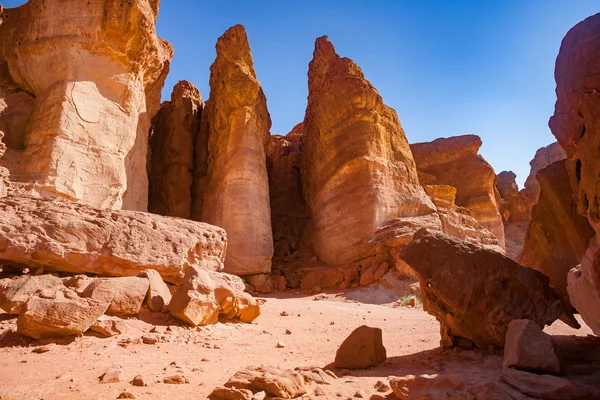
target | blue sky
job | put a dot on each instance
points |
(448, 67)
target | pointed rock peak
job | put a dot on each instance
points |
(186, 89)
(324, 48)
(233, 45)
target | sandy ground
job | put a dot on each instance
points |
(208, 356)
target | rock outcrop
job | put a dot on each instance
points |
(236, 195)
(576, 126)
(62, 236)
(205, 296)
(357, 168)
(172, 143)
(475, 293)
(80, 83)
(557, 237)
(455, 162)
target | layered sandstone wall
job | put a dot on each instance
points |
(357, 168)
(576, 126)
(455, 162)
(236, 195)
(81, 82)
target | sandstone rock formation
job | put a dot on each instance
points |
(576, 126)
(236, 195)
(362, 349)
(274, 382)
(55, 313)
(475, 293)
(205, 296)
(528, 348)
(357, 169)
(174, 131)
(455, 161)
(80, 83)
(557, 237)
(14, 293)
(124, 295)
(62, 236)
(159, 295)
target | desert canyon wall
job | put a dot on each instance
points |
(78, 98)
(576, 126)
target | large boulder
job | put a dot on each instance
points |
(81, 82)
(455, 161)
(362, 349)
(576, 126)
(236, 195)
(205, 296)
(124, 295)
(15, 292)
(357, 168)
(63, 236)
(475, 293)
(55, 313)
(557, 237)
(174, 131)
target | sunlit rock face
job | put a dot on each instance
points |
(557, 237)
(455, 161)
(236, 187)
(80, 82)
(172, 165)
(576, 125)
(357, 168)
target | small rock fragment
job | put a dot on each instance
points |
(176, 380)
(111, 376)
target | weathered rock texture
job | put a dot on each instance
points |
(516, 206)
(455, 161)
(576, 126)
(475, 293)
(236, 196)
(357, 169)
(205, 296)
(172, 143)
(80, 83)
(528, 348)
(362, 349)
(557, 236)
(62, 236)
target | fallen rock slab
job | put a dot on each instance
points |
(14, 293)
(63, 236)
(124, 295)
(362, 349)
(474, 293)
(281, 383)
(528, 348)
(206, 296)
(56, 313)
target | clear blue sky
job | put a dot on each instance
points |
(448, 67)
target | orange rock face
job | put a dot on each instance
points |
(455, 161)
(174, 132)
(357, 168)
(577, 128)
(237, 189)
(557, 236)
(62, 236)
(80, 83)
(493, 290)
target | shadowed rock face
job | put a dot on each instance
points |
(576, 125)
(81, 82)
(557, 236)
(172, 147)
(474, 293)
(357, 168)
(454, 161)
(236, 195)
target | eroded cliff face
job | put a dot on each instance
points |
(576, 126)
(172, 144)
(236, 191)
(80, 84)
(357, 168)
(455, 162)
(557, 237)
